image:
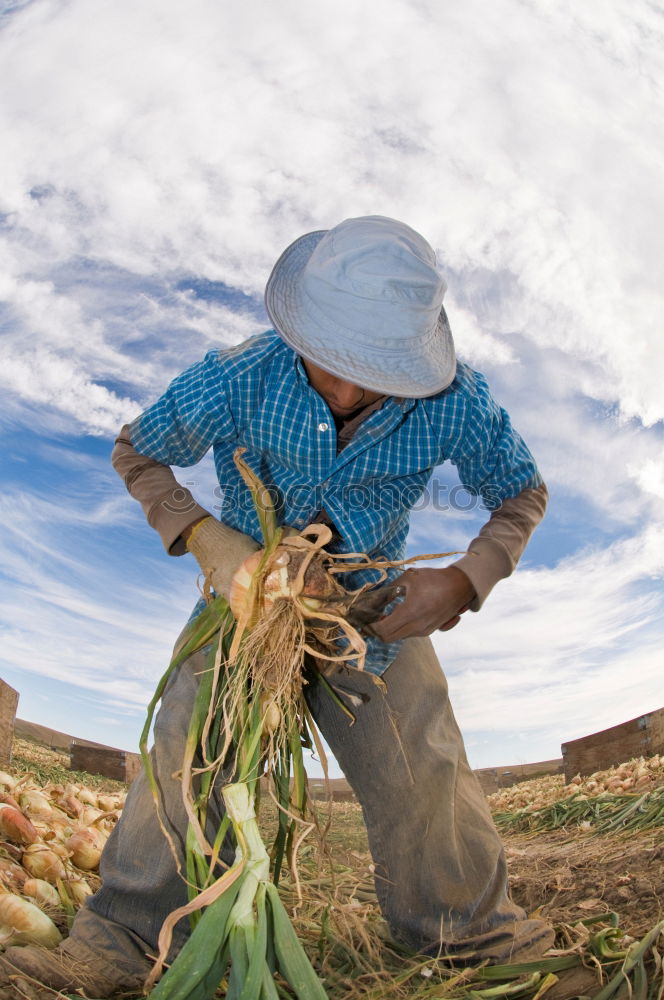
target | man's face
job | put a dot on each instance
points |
(343, 398)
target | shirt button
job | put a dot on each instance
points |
(323, 427)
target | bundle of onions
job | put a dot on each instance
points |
(47, 856)
(286, 602)
(249, 705)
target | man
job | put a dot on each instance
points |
(356, 388)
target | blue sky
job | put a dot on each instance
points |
(156, 160)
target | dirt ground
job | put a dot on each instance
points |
(568, 878)
(562, 875)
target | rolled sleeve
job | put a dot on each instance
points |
(168, 507)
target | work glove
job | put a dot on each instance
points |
(434, 599)
(219, 550)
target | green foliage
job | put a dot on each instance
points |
(605, 813)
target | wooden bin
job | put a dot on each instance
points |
(8, 703)
(641, 737)
(493, 778)
(118, 764)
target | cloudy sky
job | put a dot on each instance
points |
(156, 159)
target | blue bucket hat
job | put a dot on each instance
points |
(364, 301)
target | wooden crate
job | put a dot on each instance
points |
(493, 778)
(8, 703)
(340, 790)
(641, 737)
(133, 766)
(118, 764)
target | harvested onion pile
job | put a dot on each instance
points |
(639, 775)
(51, 839)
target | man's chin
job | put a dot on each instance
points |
(344, 414)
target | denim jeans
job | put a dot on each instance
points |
(439, 863)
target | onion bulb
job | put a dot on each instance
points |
(319, 585)
(79, 890)
(21, 922)
(58, 847)
(67, 801)
(44, 863)
(89, 815)
(35, 805)
(107, 803)
(87, 796)
(15, 826)
(85, 847)
(43, 892)
(11, 874)
(9, 800)
(271, 714)
(61, 828)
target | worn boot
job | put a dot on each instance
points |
(32, 973)
(509, 944)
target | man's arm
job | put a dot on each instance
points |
(177, 429)
(182, 524)
(436, 598)
(492, 460)
(169, 508)
(493, 555)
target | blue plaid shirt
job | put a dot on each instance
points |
(257, 395)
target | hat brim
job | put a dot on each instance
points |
(425, 370)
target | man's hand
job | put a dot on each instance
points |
(435, 599)
(219, 550)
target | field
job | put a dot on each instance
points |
(607, 887)
(603, 891)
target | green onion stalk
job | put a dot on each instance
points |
(606, 813)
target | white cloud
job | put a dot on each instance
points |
(56, 352)
(564, 652)
(74, 612)
(477, 346)
(518, 137)
(649, 476)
